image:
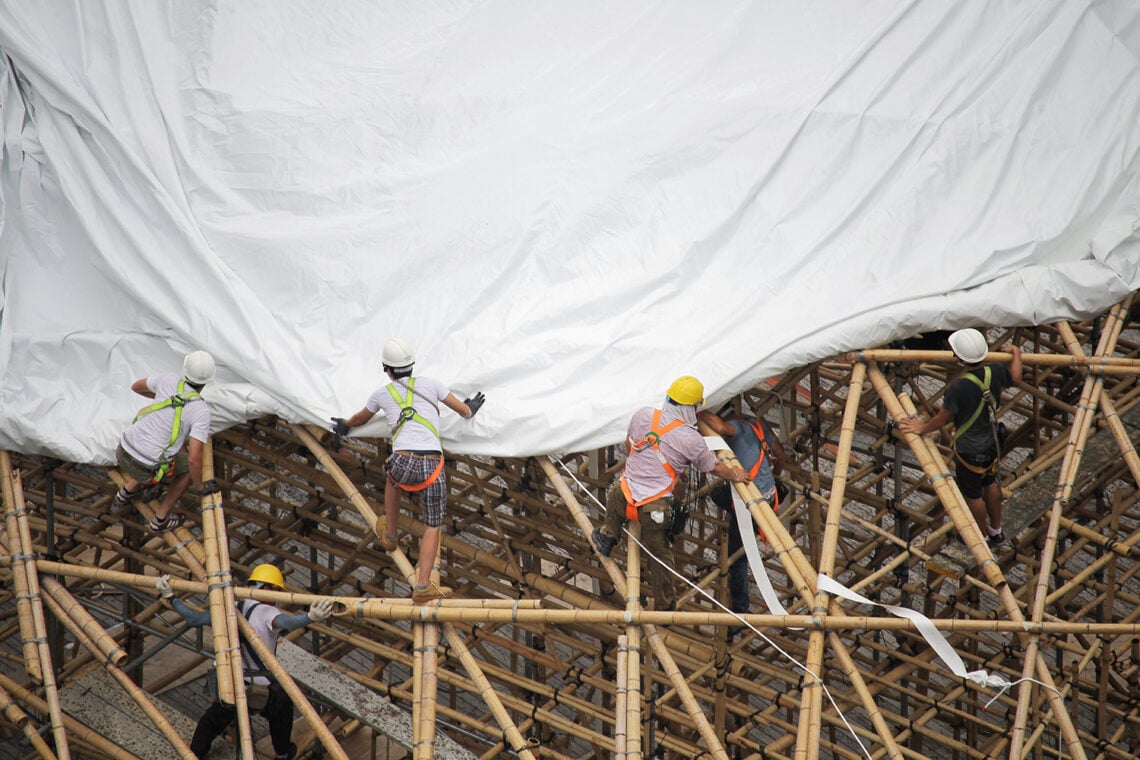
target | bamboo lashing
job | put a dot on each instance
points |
(22, 544)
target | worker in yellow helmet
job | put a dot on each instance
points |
(263, 694)
(660, 442)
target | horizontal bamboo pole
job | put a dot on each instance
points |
(1094, 364)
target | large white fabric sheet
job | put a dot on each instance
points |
(563, 204)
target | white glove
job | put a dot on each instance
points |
(320, 610)
(162, 586)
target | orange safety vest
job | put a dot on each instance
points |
(651, 439)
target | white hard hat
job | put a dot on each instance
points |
(198, 367)
(397, 354)
(969, 345)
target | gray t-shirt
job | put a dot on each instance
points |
(148, 439)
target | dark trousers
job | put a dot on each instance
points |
(278, 711)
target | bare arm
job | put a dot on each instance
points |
(139, 387)
(719, 426)
(194, 452)
(360, 418)
(918, 427)
(1014, 363)
(453, 403)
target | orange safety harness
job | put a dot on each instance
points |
(758, 429)
(421, 486)
(408, 412)
(652, 440)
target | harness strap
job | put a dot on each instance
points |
(246, 612)
(987, 398)
(652, 440)
(178, 400)
(407, 410)
(990, 470)
(421, 486)
(758, 429)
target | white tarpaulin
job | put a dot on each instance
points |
(565, 205)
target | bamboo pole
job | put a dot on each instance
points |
(1099, 365)
(418, 692)
(807, 740)
(18, 718)
(19, 560)
(440, 613)
(139, 696)
(22, 541)
(633, 694)
(668, 664)
(223, 607)
(621, 682)
(105, 643)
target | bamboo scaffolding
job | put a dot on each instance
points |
(228, 664)
(79, 616)
(16, 514)
(17, 717)
(632, 653)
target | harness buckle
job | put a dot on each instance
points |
(407, 413)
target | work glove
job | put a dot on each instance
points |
(475, 403)
(162, 586)
(210, 487)
(320, 610)
(340, 427)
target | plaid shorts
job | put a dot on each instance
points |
(414, 469)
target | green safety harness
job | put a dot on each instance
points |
(408, 412)
(986, 400)
(178, 400)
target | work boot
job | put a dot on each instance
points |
(603, 543)
(429, 593)
(290, 754)
(168, 523)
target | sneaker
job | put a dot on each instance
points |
(998, 541)
(603, 543)
(429, 593)
(122, 498)
(168, 523)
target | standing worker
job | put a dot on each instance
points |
(153, 447)
(263, 694)
(658, 444)
(759, 451)
(411, 405)
(970, 401)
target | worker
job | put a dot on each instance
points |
(660, 443)
(970, 401)
(154, 448)
(416, 464)
(759, 451)
(263, 694)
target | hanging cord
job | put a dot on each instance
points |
(712, 599)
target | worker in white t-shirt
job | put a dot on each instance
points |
(154, 450)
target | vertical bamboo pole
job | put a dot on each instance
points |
(811, 706)
(633, 695)
(417, 692)
(668, 664)
(20, 558)
(22, 544)
(621, 681)
(223, 608)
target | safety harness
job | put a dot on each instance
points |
(408, 412)
(178, 400)
(986, 400)
(758, 429)
(652, 440)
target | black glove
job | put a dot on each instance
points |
(475, 403)
(209, 487)
(340, 427)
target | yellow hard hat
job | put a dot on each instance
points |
(687, 390)
(268, 574)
